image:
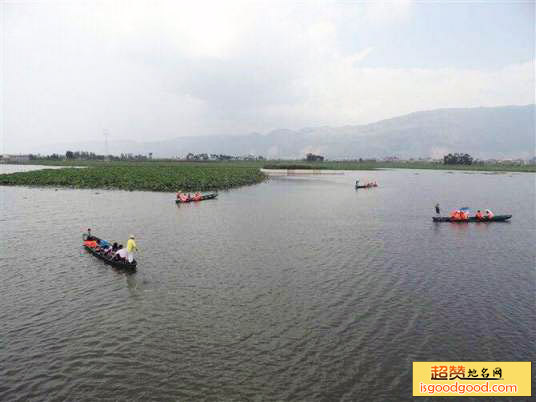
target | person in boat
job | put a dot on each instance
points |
(437, 209)
(131, 247)
(463, 215)
(479, 216)
(108, 251)
(89, 236)
(489, 214)
(356, 183)
(458, 215)
(121, 254)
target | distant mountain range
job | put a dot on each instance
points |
(491, 132)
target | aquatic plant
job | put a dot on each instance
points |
(140, 177)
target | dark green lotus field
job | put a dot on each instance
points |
(140, 177)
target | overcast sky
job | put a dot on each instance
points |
(156, 70)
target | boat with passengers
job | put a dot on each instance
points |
(102, 249)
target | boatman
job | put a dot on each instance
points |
(131, 247)
(356, 183)
(437, 209)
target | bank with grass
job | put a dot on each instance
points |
(370, 165)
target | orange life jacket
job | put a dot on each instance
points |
(90, 243)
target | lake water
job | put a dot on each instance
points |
(7, 168)
(300, 288)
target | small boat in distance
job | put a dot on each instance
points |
(185, 198)
(89, 245)
(495, 218)
(368, 185)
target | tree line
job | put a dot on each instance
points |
(458, 159)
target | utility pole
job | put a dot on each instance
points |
(106, 134)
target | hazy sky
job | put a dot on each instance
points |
(153, 70)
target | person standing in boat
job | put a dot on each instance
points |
(437, 209)
(131, 247)
(357, 183)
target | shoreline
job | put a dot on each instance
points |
(286, 165)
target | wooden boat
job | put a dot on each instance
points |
(108, 260)
(203, 197)
(371, 186)
(496, 218)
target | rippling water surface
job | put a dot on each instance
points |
(299, 288)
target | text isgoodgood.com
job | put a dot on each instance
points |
(458, 388)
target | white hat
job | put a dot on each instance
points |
(131, 236)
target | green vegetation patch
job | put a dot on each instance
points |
(474, 167)
(294, 167)
(291, 165)
(321, 165)
(371, 165)
(140, 177)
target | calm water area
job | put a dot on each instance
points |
(300, 288)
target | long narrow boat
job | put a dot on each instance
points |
(204, 197)
(496, 218)
(356, 187)
(108, 260)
